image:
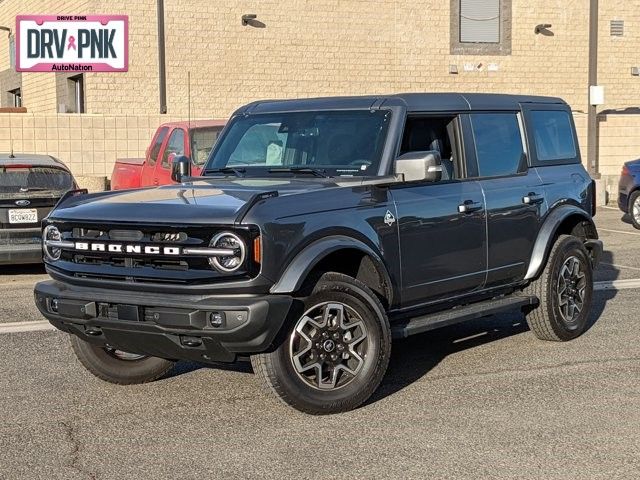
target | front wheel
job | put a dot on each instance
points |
(634, 209)
(115, 366)
(565, 290)
(336, 352)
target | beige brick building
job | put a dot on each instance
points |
(323, 47)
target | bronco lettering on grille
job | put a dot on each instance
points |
(122, 248)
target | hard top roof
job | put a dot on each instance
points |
(413, 102)
(195, 123)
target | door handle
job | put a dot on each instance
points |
(156, 182)
(532, 198)
(469, 206)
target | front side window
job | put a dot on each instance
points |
(553, 135)
(336, 143)
(175, 145)
(498, 142)
(157, 144)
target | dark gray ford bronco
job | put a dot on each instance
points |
(322, 229)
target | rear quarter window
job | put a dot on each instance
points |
(553, 136)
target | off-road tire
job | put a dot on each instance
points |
(546, 321)
(277, 371)
(111, 369)
(632, 200)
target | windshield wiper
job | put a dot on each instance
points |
(311, 171)
(238, 172)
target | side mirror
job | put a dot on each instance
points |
(420, 166)
(180, 168)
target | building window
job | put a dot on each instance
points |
(480, 27)
(15, 97)
(76, 94)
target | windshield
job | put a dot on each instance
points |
(202, 140)
(335, 143)
(20, 179)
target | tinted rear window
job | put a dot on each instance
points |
(25, 179)
(498, 143)
(202, 140)
(553, 135)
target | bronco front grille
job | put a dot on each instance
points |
(137, 266)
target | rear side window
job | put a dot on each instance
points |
(553, 135)
(498, 142)
(157, 143)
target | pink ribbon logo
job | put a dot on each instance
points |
(72, 43)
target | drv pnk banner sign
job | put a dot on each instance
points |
(72, 43)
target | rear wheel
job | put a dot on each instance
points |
(116, 366)
(336, 352)
(565, 289)
(634, 209)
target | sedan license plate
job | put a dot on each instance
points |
(26, 215)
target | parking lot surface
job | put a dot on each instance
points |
(484, 399)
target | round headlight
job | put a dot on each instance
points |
(51, 232)
(229, 263)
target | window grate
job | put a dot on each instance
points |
(480, 21)
(617, 28)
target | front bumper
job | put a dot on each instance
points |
(175, 327)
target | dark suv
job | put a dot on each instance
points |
(323, 228)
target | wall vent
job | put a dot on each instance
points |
(617, 28)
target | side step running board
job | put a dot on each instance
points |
(424, 323)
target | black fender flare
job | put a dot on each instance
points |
(547, 233)
(296, 272)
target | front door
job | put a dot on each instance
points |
(148, 170)
(442, 225)
(442, 250)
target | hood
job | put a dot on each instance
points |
(219, 200)
(634, 164)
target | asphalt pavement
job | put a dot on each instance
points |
(480, 400)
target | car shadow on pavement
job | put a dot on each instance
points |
(415, 357)
(26, 269)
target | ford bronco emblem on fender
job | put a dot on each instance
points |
(389, 219)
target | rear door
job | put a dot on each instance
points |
(176, 145)
(148, 171)
(513, 193)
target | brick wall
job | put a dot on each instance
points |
(88, 144)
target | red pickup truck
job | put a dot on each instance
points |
(193, 139)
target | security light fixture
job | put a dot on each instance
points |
(543, 28)
(247, 17)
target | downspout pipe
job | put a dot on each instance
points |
(592, 116)
(162, 73)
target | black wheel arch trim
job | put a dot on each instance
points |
(303, 263)
(547, 233)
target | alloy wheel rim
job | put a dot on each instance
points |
(572, 283)
(327, 347)
(121, 355)
(636, 209)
